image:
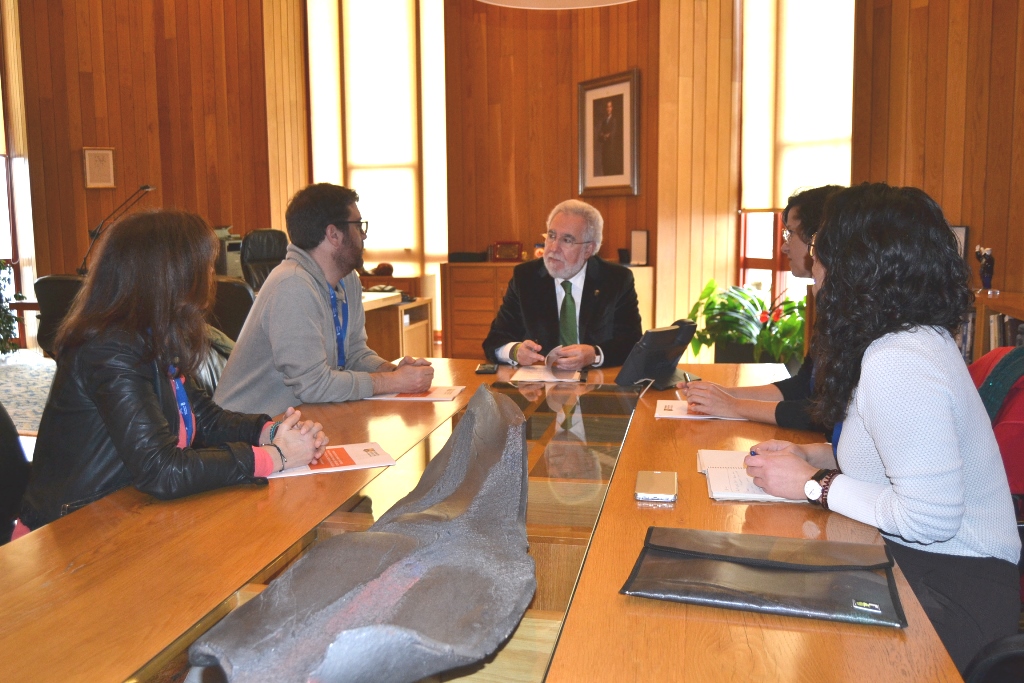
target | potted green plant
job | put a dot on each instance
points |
(8, 320)
(739, 317)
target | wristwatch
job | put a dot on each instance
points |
(813, 489)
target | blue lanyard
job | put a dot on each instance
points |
(340, 328)
(836, 431)
(184, 405)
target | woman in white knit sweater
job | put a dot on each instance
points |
(913, 452)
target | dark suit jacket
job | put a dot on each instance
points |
(609, 315)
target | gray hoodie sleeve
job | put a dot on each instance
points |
(300, 329)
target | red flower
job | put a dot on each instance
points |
(776, 314)
(764, 317)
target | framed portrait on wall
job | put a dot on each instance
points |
(609, 135)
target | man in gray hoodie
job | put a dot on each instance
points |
(305, 338)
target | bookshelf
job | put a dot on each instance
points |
(1007, 303)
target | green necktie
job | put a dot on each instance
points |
(567, 317)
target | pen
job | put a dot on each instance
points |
(753, 452)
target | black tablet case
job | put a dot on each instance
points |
(850, 582)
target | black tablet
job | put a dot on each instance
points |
(656, 356)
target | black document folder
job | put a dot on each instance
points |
(790, 576)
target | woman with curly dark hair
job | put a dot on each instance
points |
(121, 410)
(913, 451)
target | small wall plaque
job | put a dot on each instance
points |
(99, 166)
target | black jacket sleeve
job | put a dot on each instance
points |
(128, 399)
(794, 411)
(617, 328)
(508, 325)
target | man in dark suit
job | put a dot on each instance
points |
(596, 324)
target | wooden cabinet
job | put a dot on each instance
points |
(471, 296)
(409, 285)
(405, 329)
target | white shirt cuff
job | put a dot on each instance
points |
(502, 353)
(599, 359)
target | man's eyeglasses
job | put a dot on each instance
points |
(567, 241)
(364, 226)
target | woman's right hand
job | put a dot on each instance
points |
(776, 446)
(708, 398)
(301, 442)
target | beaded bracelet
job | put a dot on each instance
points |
(826, 484)
(284, 460)
(273, 430)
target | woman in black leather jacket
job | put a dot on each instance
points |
(121, 411)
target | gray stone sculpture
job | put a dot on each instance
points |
(440, 581)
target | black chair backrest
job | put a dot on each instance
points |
(262, 250)
(998, 662)
(14, 471)
(55, 293)
(231, 307)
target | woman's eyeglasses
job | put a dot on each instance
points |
(810, 246)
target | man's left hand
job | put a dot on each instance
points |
(409, 360)
(574, 357)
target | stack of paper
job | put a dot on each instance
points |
(678, 410)
(432, 394)
(543, 373)
(728, 479)
(356, 456)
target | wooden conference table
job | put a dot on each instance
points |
(120, 588)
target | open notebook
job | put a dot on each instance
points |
(728, 479)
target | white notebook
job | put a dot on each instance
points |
(728, 479)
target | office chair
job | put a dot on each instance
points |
(14, 471)
(262, 250)
(55, 294)
(231, 306)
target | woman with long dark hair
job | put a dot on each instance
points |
(913, 451)
(122, 410)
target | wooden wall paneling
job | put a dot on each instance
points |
(1000, 127)
(946, 112)
(287, 106)
(935, 98)
(863, 65)
(956, 112)
(699, 261)
(176, 87)
(667, 216)
(979, 38)
(917, 94)
(512, 98)
(1015, 222)
(881, 31)
(697, 187)
(898, 81)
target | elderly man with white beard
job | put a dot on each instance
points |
(571, 304)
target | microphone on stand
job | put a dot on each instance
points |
(121, 210)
